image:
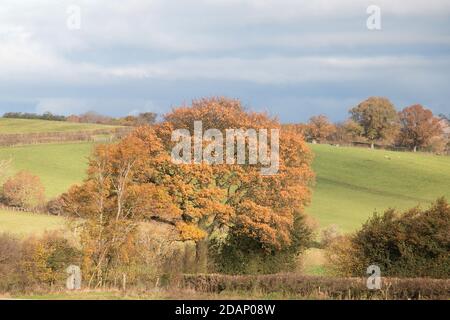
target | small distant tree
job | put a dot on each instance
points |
(94, 117)
(320, 128)
(418, 126)
(438, 144)
(73, 118)
(129, 121)
(347, 131)
(147, 118)
(24, 190)
(377, 117)
(143, 119)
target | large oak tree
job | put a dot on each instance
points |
(135, 180)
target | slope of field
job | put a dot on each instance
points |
(11, 126)
(352, 183)
(23, 224)
(58, 165)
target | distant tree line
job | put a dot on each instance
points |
(146, 118)
(26, 115)
(376, 121)
(106, 134)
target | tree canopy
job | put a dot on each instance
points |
(418, 126)
(320, 128)
(135, 180)
(377, 117)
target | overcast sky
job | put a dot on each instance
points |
(293, 58)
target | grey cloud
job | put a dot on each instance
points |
(284, 55)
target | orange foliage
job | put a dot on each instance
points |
(418, 126)
(320, 128)
(24, 190)
(135, 179)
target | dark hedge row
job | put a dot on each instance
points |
(48, 137)
(26, 115)
(325, 287)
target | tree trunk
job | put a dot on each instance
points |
(415, 148)
(189, 257)
(372, 145)
(201, 255)
(124, 282)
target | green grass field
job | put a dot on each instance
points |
(58, 165)
(23, 224)
(10, 126)
(352, 183)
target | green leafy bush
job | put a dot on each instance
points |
(36, 262)
(413, 244)
(242, 255)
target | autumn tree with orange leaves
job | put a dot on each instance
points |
(24, 190)
(135, 180)
(418, 126)
(319, 128)
(127, 184)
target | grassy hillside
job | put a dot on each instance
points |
(23, 224)
(10, 126)
(351, 182)
(58, 165)
(354, 182)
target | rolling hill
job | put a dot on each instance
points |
(351, 182)
(12, 126)
(24, 224)
(58, 165)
